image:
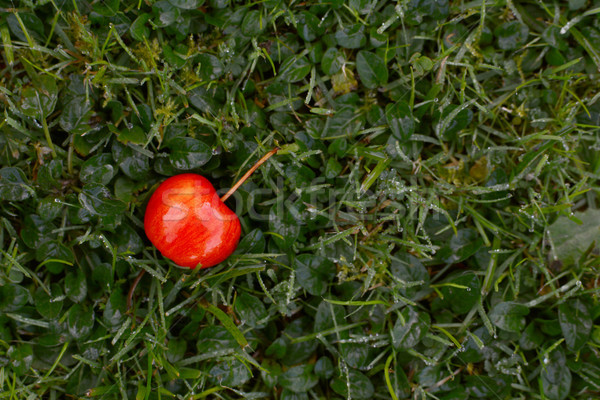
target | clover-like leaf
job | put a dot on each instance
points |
(314, 273)
(371, 69)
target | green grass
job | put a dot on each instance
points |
(428, 230)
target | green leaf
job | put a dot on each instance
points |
(299, 378)
(332, 61)
(230, 373)
(328, 316)
(400, 120)
(47, 305)
(531, 337)
(351, 37)
(450, 127)
(463, 245)
(36, 231)
(410, 328)
(324, 368)
(166, 13)
(98, 169)
(333, 168)
(511, 35)
(571, 239)
(97, 200)
(462, 292)
(49, 208)
(576, 4)
(76, 286)
(127, 240)
(295, 68)
(133, 163)
(138, 28)
(21, 358)
(185, 4)
(250, 310)
(285, 226)
(227, 323)
(371, 69)
(13, 185)
(575, 323)
(211, 68)
(214, 339)
(134, 134)
(115, 309)
(486, 387)
(354, 386)
(509, 316)
(48, 175)
(107, 8)
(556, 377)
(296, 353)
(410, 270)
(80, 321)
(33, 25)
(54, 250)
(13, 297)
(39, 101)
(172, 57)
(253, 242)
(436, 9)
(176, 350)
(254, 23)
(309, 27)
(314, 273)
(188, 153)
(75, 116)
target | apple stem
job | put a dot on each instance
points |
(248, 173)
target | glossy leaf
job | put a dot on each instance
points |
(355, 385)
(251, 311)
(211, 68)
(371, 69)
(13, 297)
(462, 292)
(97, 200)
(13, 185)
(188, 153)
(400, 120)
(575, 323)
(314, 273)
(332, 61)
(509, 316)
(254, 23)
(98, 169)
(76, 286)
(75, 117)
(80, 321)
(410, 328)
(351, 37)
(572, 237)
(511, 35)
(555, 376)
(298, 379)
(39, 101)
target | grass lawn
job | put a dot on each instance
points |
(429, 228)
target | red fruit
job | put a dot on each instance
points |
(188, 223)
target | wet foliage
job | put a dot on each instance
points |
(429, 228)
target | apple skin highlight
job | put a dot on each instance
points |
(188, 223)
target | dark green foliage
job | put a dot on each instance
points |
(429, 228)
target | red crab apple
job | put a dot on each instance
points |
(188, 223)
